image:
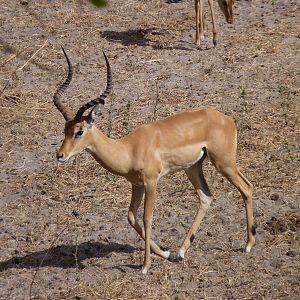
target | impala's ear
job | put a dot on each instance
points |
(96, 111)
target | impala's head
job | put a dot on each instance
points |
(78, 130)
(227, 9)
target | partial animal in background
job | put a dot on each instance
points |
(227, 9)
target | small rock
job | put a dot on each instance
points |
(291, 253)
(75, 213)
(274, 197)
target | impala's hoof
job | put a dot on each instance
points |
(175, 258)
(247, 249)
(145, 269)
(249, 246)
(215, 43)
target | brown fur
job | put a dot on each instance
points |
(152, 150)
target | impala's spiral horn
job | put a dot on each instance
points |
(101, 99)
(62, 88)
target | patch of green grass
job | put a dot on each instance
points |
(99, 3)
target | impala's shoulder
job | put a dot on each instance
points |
(144, 131)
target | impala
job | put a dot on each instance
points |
(180, 142)
(227, 9)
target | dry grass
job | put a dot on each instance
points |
(252, 75)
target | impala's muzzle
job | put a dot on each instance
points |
(229, 20)
(60, 157)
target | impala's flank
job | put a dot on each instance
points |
(180, 142)
(227, 9)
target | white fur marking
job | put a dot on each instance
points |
(166, 254)
(181, 253)
(204, 199)
(248, 248)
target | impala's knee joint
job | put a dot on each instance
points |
(147, 222)
(205, 200)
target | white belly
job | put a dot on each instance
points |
(172, 167)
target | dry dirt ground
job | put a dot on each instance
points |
(64, 231)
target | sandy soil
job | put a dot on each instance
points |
(64, 231)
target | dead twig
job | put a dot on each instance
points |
(46, 254)
(6, 85)
(156, 102)
(76, 169)
(33, 55)
(14, 56)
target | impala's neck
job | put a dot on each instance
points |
(113, 155)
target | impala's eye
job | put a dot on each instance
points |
(79, 134)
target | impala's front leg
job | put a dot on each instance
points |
(136, 199)
(148, 215)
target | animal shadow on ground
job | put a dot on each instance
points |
(138, 37)
(173, 1)
(131, 37)
(65, 256)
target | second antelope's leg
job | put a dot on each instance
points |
(195, 175)
(201, 25)
(215, 33)
(203, 21)
(136, 199)
(199, 21)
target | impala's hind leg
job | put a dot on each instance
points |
(210, 2)
(232, 173)
(195, 174)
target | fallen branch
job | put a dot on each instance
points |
(33, 55)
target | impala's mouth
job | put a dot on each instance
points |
(61, 160)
